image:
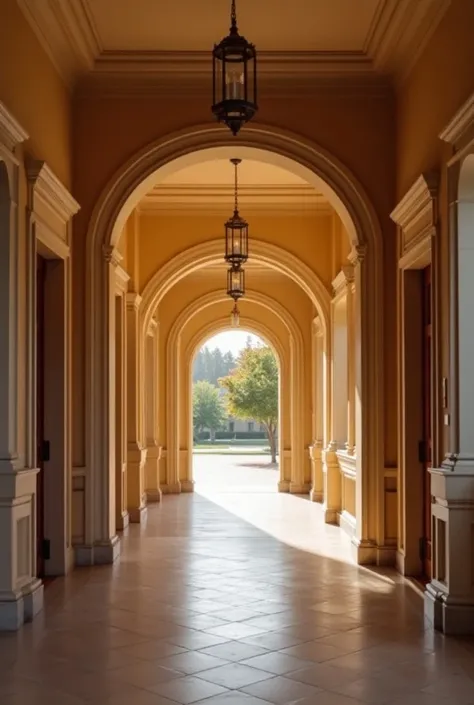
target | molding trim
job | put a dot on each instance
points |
(460, 124)
(416, 214)
(67, 31)
(49, 189)
(11, 132)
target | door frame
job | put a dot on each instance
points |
(416, 218)
(50, 212)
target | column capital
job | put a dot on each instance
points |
(152, 327)
(133, 301)
(112, 255)
(343, 279)
(318, 329)
(357, 255)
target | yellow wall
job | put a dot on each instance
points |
(34, 93)
(162, 238)
(440, 83)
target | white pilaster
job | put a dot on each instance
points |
(21, 593)
(151, 381)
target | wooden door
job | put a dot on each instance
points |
(40, 275)
(426, 444)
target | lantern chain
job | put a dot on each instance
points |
(233, 16)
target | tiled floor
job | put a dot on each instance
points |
(233, 599)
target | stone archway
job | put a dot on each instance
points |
(292, 366)
(360, 221)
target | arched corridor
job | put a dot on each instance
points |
(333, 219)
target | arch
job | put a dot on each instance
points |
(466, 179)
(210, 252)
(293, 374)
(359, 217)
(253, 326)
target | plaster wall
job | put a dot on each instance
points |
(33, 91)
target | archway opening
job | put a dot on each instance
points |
(236, 417)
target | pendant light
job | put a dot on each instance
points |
(236, 229)
(234, 78)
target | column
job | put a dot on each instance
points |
(21, 593)
(351, 353)
(319, 396)
(136, 453)
(151, 381)
(449, 597)
(339, 396)
(367, 501)
(121, 502)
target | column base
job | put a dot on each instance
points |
(364, 552)
(347, 522)
(447, 615)
(101, 553)
(174, 488)
(386, 555)
(153, 496)
(283, 486)
(123, 521)
(22, 606)
(331, 516)
(300, 487)
(316, 496)
(138, 515)
(187, 485)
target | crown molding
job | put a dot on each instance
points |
(66, 31)
(400, 31)
(462, 122)
(216, 199)
(48, 188)
(11, 132)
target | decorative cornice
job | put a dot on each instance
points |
(49, 189)
(11, 132)
(416, 214)
(66, 30)
(400, 32)
(112, 255)
(214, 199)
(461, 123)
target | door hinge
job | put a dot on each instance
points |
(422, 457)
(45, 451)
(422, 549)
(46, 549)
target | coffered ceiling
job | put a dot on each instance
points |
(172, 38)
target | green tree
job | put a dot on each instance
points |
(252, 390)
(208, 408)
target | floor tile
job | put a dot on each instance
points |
(234, 651)
(234, 675)
(169, 622)
(188, 690)
(281, 691)
(277, 663)
(192, 662)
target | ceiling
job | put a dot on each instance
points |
(163, 38)
(209, 186)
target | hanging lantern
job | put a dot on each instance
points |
(235, 283)
(234, 78)
(235, 316)
(236, 230)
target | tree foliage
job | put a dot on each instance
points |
(210, 365)
(208, 407)
(252, 390)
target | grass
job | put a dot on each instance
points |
(221, 449)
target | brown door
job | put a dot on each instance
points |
(40, 274)
(426, 441)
